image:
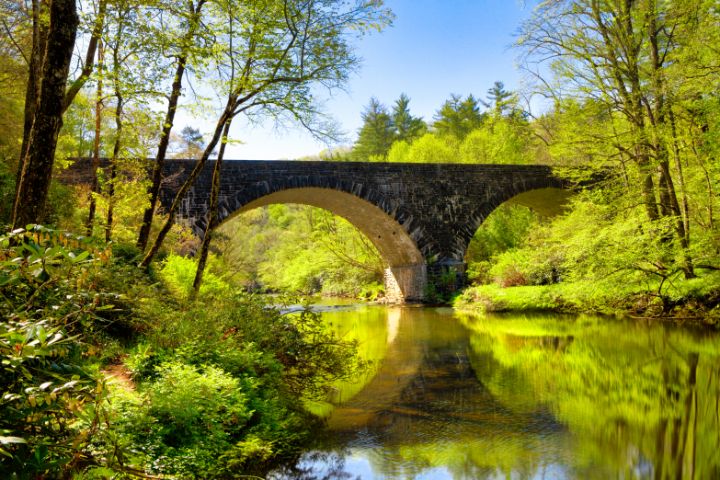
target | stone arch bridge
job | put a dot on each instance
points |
(420, 217)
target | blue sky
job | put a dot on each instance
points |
(433, 49)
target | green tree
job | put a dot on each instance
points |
(430, 148)
(376, 135)
(407, 127)
(183, 41)
(458, 117)
(283, 49)
(621, 56)
(499, 140)
(502, 102)
(190, 143)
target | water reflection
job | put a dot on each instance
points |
(521, 397)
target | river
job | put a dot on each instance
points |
(452, 396)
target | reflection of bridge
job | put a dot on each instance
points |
(420, 217)
(427, 391)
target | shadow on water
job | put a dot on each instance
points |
(519, 396)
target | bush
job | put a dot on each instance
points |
(192, 415)
(178, 274)
(51, 404)
(273, 359)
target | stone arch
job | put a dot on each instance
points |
(546, 200)
(405, 275)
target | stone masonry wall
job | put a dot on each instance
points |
(439, 205)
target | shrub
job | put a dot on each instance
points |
(192, 416)
(179, 272)
(51, 405)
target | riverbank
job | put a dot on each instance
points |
(151, 381)
(696, 300)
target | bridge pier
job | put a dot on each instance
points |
(405, 283)
(421, 282)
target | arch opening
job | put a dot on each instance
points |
(505, 227)
(405, 272)
(546, 202)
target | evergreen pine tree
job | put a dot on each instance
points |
(376, 135)
(458, 117)
(407, 128)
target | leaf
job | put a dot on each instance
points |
(79, 258)
(6, 440)
(41, 274)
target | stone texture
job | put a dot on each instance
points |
(440, 206)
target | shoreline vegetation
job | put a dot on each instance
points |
(696, 303)
(113, 371)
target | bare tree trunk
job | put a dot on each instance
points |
(212, 212)
(224, 118)
(95, 185)
(38, 160)
(156, 178)
(116, 152)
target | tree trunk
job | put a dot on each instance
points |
(95, 185)
(156, 178)
(32, 90)
(89, 63)
(38, 160)
(115, 154)
(224, 118)
(212, 212)
(111, 202)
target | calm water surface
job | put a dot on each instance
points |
(518, 396)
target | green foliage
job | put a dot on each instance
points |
(406, 126)
(213, 391)
(191, 416)
(376, 135)
(52, 402)
(458, 117)
(463, 134)
(429, 148)
(218, 388)
(500, 140)
(505, 228)
(178, 274)
(381, 129)
(607, 257)
(297, 249)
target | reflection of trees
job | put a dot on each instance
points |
(426, 410)
(528, 397)
(333, 468)
(369, 327)
(639, 400)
